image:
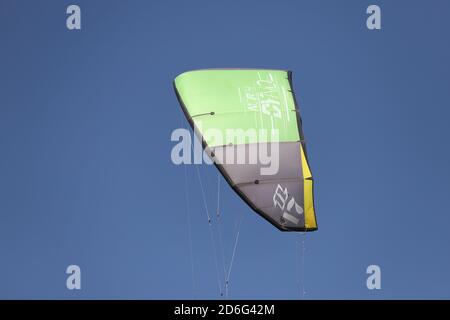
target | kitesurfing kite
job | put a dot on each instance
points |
(261, 100)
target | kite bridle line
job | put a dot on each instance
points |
(219, 246)
(210, 227)
(213, 245)
(188, 218)
(236, 239)
(302, 237)
(219, 229)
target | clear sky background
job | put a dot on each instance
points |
(86, 176)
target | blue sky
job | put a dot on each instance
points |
(86, 176)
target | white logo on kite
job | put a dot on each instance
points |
(267, 98)
(280, 198)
